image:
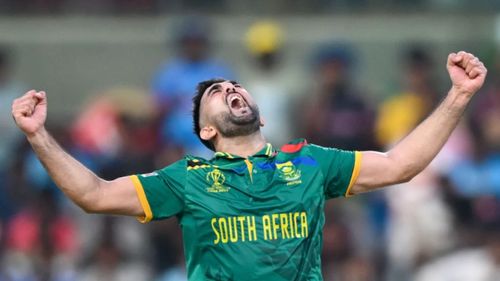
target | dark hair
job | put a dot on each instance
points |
(200, 90)
(416, 56)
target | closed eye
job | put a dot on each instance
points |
(216, 88)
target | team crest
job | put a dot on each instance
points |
(289, 173)
(217, 179)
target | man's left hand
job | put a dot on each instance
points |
(467, 72)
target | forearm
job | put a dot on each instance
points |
(412, 154)
(79, 183)
(416, 151)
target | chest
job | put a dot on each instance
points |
(254, 187)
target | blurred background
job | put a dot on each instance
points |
(350, 74)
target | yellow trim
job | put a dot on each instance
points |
(250, 169)
(198, 167)
(224, 154)
(148, 215)
(268, 150)
(355, 172)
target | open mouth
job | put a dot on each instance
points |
(236, 101)
(238, 105)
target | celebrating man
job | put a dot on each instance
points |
(251, 212)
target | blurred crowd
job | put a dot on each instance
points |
(442, 225)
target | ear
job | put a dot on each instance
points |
(207, 133)
(262, 121)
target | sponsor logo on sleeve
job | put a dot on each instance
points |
(153, 174)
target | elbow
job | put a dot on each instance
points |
(90, 202)
(88, 206)
(405, 178)
(86, 209)
(407, 173)
(404, 169)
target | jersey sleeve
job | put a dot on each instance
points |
(161, 193)
(339, 167)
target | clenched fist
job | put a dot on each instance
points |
(30, 111)
(466, 71)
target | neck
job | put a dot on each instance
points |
(243, 146)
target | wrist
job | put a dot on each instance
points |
(37, 135)
(459, 97)
(461, 91)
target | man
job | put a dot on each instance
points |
(9, 135)
(173, 83)
(338, 113)
(251, 212)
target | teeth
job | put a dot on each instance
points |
(237, 98)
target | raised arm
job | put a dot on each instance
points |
(412, 154)
(81, 185)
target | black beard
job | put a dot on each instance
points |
(230, 126)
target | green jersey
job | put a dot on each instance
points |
(255, 218)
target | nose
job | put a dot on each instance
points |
(230, 89)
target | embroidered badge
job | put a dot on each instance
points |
(217, 179)
(289, 173)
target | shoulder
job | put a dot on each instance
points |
(184, 163)
(294, 146)
(182, 166)
(301, 145)
(301, 148)
(195, 162)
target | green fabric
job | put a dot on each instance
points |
(263, 225)
(165, 189)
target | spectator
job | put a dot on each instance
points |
(338, 114)
(271, 82)
(418, 96)
(9, 90)
(174, 84)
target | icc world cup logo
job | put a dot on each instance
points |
(217, 178)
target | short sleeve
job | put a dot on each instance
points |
(339, 167)
(161, 193)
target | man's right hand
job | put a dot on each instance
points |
(81, 185)
(30, 112)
